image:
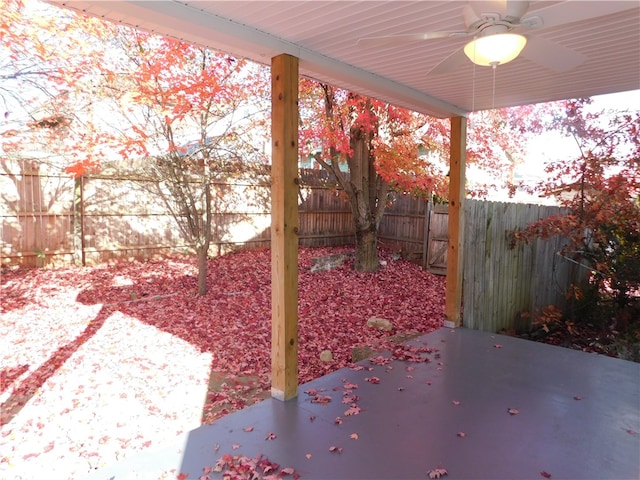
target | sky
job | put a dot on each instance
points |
(552, 146)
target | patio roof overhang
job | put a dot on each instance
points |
(324, 34)
(319, 39)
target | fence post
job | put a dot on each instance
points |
(78, 221)
(427, 227)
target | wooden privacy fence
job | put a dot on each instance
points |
(49, 219)
(52, 219)
(503, 287)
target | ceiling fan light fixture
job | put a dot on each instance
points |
(496, 49)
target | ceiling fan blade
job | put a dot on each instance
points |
(449, 64)
(390, 40)
(551, 55)
(569, 12)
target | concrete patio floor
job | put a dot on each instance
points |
(483, 407)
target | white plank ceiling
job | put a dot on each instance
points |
(324, 35)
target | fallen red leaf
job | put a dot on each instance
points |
(321, 399)
(352, 411)
(437, 473)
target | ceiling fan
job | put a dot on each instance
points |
(494, 24)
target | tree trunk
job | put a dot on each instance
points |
(367, 250)
(78, 220)
(364, 197)
(202, 247)
(202, 269)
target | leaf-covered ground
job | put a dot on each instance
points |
(99, 363)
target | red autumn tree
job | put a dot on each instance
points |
(373, 139)
(192, 113)
(388, 148)
(48, 77)
(600, 189)
(83, 90)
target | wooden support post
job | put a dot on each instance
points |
(284, 227)
(453, 295)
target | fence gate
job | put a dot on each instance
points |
(438, 239)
